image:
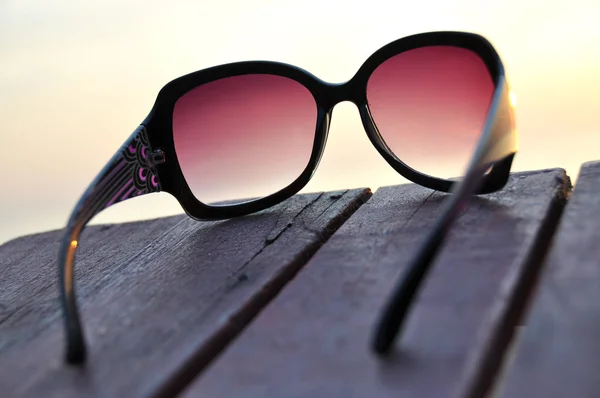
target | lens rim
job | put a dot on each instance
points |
(399, 157)
(327, 95)
(266, 81)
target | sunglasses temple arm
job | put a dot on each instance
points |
(497, 146)
(130, 173)
(398, 304)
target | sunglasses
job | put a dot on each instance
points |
(433, 105)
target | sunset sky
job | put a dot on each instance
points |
(76, 79)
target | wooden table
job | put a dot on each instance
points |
(282, 303)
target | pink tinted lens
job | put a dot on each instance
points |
(244, 137)
(429, 105)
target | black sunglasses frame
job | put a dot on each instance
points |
(147, 161)
(326, 95)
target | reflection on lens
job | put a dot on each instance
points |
(429, 105)
(244, 137)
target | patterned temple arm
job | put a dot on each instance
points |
(130, 173)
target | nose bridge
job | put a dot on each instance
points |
(340, 92)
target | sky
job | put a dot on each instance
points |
(76, 78)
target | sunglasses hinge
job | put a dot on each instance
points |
(156, 157)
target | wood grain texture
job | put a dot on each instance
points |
(159, 298)
(312, 340)
(558, 352)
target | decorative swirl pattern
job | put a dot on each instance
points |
(143, 176)
(140, 176)
(128, 174)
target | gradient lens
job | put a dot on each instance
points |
(430, 105)
(244, 137)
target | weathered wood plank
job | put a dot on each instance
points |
(28, 271)
(312, 340)
(557, 354)
(159, 298)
